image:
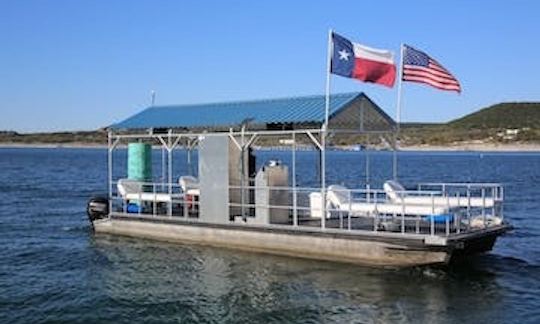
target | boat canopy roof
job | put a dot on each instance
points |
(348, 111)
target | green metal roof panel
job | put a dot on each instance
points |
(295, 110)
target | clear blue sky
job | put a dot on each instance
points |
(75, 65)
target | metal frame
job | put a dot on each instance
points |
(346, 218)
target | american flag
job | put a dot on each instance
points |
(419, 67)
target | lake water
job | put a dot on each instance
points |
(54, 269)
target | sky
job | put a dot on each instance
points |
(81, 65)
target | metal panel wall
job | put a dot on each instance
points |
(214, 178)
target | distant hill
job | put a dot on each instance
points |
(80, 137)
(503, 116)
(501, 123)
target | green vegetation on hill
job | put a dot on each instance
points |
(501, 123)
(502, 116)
(85, 137)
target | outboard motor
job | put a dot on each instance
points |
(97, 208)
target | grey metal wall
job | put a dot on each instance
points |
(214, 178)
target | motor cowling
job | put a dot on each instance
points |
(97, 208)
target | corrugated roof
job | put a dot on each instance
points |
(295, 110)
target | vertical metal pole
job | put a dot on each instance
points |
(398, 115)
(325, 129)
(484, 206)
(368, 171)
(189, 156)
(493, 197)
(169, 170)
(402, 214)
(375, 212)
(154, 207)
(432, 216)
(163, 167)
(110, 168)
(349, 212)
(295, 211)
(328, 68)
(501, 198)
(242, 176)
(185, 209)
(457, 221)
(323, 178)
(468, 207)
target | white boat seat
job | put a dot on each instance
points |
(339, 199)
(397, 194)
(394, 190)
(155, 197)
(189, 185)
(133, 190)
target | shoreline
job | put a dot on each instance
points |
(465, 147)
(52, 145)
(476, 147)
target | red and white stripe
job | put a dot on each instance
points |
(374, 65)
(434, 75)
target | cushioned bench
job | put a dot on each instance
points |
(338, 197)
(397, 194)
(133, 190)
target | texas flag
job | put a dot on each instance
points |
(360, 62)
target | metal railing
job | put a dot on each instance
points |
(442, 209)
(154, 199)
(411, 211)
(494, 190)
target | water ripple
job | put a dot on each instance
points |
(54, 269)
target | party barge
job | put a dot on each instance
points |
(213, 185)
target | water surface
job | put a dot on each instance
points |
(53, 269)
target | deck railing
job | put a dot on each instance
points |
(154, 199)
(441, 209)
(493, 190)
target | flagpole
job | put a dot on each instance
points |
(325, 129)
(398, 114)
(328, 67)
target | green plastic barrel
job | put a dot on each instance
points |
(140, 161)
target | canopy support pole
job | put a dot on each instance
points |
(295, 210)
(325, 130)
(368, 171)
(110, 148)
(398, 117)
(242, 172)
(163, 166)
(169, 170)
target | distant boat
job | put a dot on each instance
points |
(357, 148)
